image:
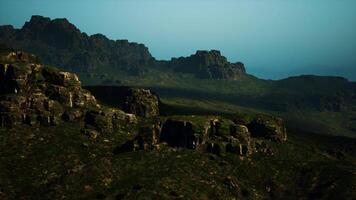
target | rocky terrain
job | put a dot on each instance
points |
(43, 107)
(62, 140)
(36, 94)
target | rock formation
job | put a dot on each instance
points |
(268, 127)
(208, 64)
(34, 94)
(60, 43)
(141, 102)
(216, 136)
(138, 101)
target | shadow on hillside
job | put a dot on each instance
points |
(113, 95)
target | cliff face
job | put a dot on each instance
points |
(208, 64)
(60, 43)
(34, 94)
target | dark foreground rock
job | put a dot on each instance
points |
(212, 135)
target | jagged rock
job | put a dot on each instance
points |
(60, 43)
(178, 134)
(156, 133)
(100, 120)
(208, 64)
(107, 120)
(214, 128)
(238, 148)
(268, 127)
(72, 115)
(141, 102)
(35, 94)
(240, 141)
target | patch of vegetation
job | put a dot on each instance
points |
(62, 162)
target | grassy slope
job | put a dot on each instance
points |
(53, 163)
(190, 95)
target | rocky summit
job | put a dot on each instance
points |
(208, 64)
(60, 43)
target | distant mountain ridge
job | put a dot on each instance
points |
(207, 64)
(58, 42)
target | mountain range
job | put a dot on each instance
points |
(128, 126)
(60, 43)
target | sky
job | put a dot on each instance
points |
(274, 38)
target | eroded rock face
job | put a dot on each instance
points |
(107, 120)
(208, 64)
(211, 135)
(141, 102)
(35, 94)
(269, 128)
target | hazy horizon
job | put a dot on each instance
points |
(275, 39)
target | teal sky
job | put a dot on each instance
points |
(274, 38)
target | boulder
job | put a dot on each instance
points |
(141, 102)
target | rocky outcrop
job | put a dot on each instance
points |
(213, 135)
(60, 43)
(34, 94)
(141, 102)
(208, 64)
(268, 127)
(138, 101)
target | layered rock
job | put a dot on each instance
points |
(141, 102)
(208, 64)
(272, 128)
(35, 94)
(217, 136)
(60, 43)
(32, 93)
